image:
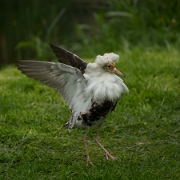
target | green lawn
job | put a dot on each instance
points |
(143, 132)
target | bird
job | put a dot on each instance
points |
(91, 90)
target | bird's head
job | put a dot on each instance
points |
(108, 62)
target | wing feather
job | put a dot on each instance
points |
(68, 80)
(69, 58)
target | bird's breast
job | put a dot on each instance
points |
(106, 87)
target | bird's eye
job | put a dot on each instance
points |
(109, 66)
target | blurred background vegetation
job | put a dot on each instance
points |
(85, 27)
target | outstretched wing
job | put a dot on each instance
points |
(68, 80)
(69, 58)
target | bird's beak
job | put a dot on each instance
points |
(118, 72)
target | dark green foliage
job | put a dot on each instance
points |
(85, 27)
(129, 24)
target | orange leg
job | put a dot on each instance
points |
(108, 155)
(86, 148)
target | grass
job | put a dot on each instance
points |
(143, 132)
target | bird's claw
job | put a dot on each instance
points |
(89, 163)
(109, 155)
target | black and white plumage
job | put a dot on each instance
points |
(91, 90)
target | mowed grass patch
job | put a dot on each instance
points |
(143, 132)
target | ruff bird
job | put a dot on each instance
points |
(91, 90)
